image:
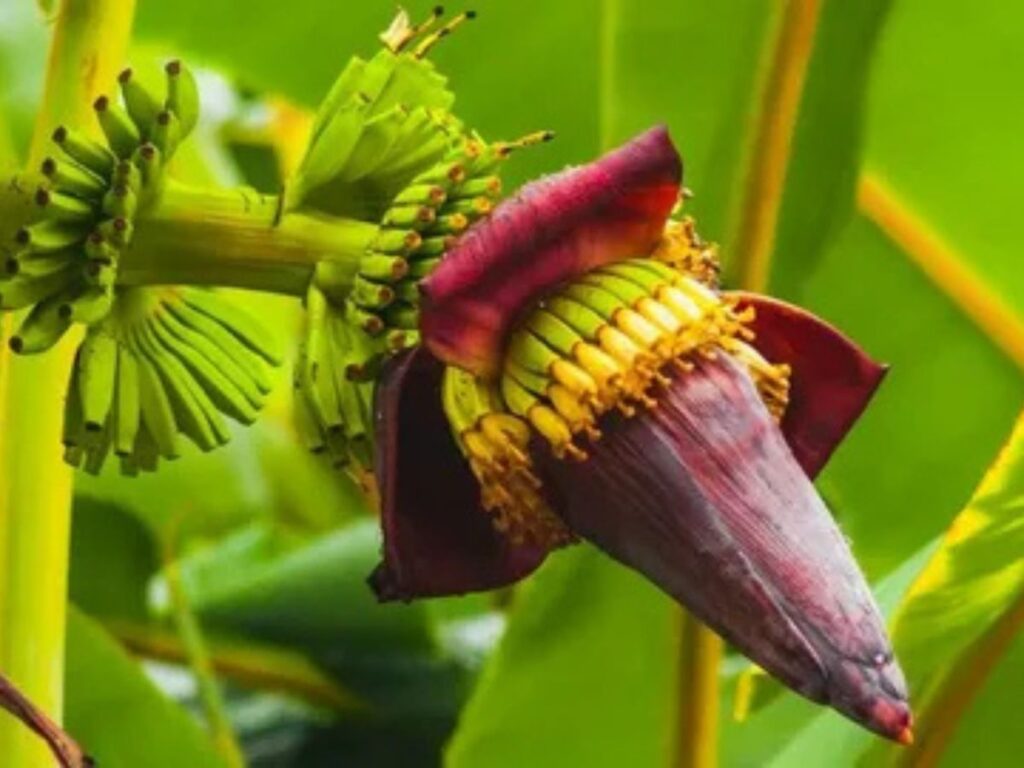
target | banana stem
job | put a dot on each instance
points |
(87, 48)
(236, 238)
(700, 655)
(233, 238)
(248, 664)
(199, 661)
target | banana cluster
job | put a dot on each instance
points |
(384, 121)
(333, 397)
(608, 341)
(384, 148)
(353, 321)
(64, 264)
(165, 364)
(421, 223)
(496, 443)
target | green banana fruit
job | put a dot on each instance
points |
(157, 411)
(88, 154)
(122, 134)
(193, 412)
(182, 95)
(43, 327)
(216, 357)
(72, 179)
(97, 372)
(227, 398)
(142, 105)
(227, 342)
(127, 405)
(238, 322)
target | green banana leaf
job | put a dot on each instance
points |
(953, 624)
(22, 55)
(582, 677)
(312, 597)
(118, 715)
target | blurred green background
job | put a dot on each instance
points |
(897, 221)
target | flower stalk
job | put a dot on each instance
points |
(238, 238)
(700, 656)
(198, 658)
(89, 41)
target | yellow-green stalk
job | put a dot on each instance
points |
(198, 658)
(88, 46)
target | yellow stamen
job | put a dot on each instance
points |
(601, 366)
(555, 430)
(577, 414)
(659, 315)
(401, 30)
(502, 426)
(559, 386)
(681, 305)
(638, 328)
(431, 40)
(621, 347)
(575, 379)
(504, 148)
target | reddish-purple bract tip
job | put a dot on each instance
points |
(831, 382)
(555, 229)
(703, 496)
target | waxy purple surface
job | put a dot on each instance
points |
(555, 229)
(832, 378)
(703, 496)
(438, 540)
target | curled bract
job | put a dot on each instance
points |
(553, 230)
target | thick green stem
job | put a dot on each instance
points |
(236, 238)
(88, 46)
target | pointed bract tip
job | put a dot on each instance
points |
(906, 737)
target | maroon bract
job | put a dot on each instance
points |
(438, 540)
(568, 224)
(832, 379)
(653, 404)
(703, 496)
